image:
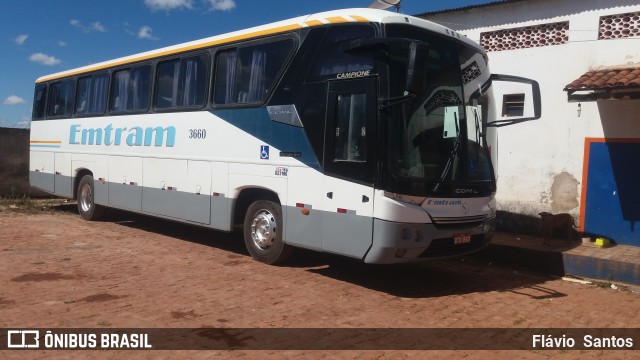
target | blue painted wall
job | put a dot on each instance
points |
(613, 191)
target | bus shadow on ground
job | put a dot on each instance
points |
(435, 278)
(227, 241)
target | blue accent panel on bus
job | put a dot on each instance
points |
(613, 201)
(285, 138)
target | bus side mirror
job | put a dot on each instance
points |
(516, 99)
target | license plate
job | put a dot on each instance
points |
(461, 239)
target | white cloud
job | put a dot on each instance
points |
(62, 43)
(44, 59)
(145, 33)
(24, 123)
(97, 26)
(168, 4)
(21, 39)
(13, 100)
(94, 26)
(222, 5)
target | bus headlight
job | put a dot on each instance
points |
(406, 234)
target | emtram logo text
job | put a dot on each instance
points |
(132, 136)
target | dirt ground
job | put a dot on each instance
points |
(130, 271)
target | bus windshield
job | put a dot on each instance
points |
(434, 131)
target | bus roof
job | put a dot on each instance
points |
(319, 19)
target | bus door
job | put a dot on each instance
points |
(349, 163)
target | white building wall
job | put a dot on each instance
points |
(540, 162)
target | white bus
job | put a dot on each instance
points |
(357, 132)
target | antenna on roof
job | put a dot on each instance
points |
(385, 4)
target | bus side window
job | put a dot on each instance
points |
(245, 75)
(91, 97)
(167, 84)
(225, 77)
(130, 89)
(139, 88)
(119, 91)
(60, 99)
(39, 100)
(98, 99)
(82, 95)
(181, 83)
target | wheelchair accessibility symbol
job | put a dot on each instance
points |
(264, 152)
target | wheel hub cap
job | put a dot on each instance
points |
(263, 229)
(86, 198)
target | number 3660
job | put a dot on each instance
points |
(197, 133)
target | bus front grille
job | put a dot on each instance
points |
(459, 220)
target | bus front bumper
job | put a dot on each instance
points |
(395, 242)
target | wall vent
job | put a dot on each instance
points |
(619, 26)
(526, 37)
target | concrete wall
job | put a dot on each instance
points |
(14, 161)
(540, 163)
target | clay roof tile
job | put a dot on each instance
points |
(603, 79)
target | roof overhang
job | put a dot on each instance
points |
(606, 84)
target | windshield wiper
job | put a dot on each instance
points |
(387, 103)
(452, 156)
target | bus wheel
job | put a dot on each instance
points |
(86, 206)
(263, 232)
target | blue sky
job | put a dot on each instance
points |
(43, 37)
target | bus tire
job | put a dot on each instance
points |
(263, 232)
(87, 207)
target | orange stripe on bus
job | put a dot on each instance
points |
(255, 34)
(314, 23)
(337, 20)
(359, 18)
(46, 142)
(272, 31)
